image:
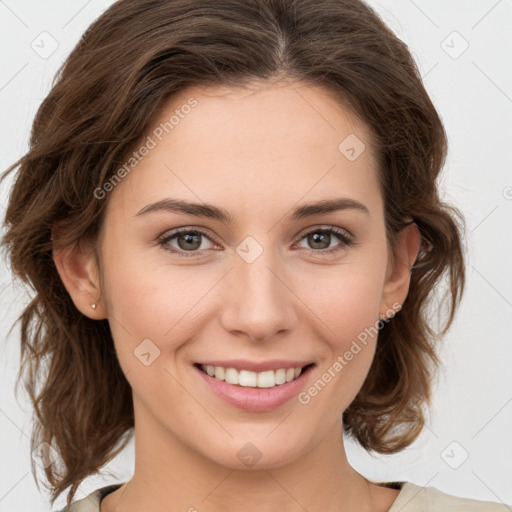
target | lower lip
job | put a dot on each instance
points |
(255, 399)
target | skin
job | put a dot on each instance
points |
(291, 302)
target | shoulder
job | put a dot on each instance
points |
(415, 498)
(91, 503)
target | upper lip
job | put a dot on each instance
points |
(257, 366)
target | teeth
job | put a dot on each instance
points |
(219, 373)
(245, 378)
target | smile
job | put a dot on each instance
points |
(255, 386)
(247, 378)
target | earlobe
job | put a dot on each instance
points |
(78, 269)
(398, 277)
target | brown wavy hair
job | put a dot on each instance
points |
(127, 64)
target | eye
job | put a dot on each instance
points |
(187, 240)
(320, 240)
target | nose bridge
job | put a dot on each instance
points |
(258, 302)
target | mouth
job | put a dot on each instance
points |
(252, 379)
(255, 391)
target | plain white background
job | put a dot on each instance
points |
(464, 50)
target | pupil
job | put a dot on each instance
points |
(189, 239)
(317, 239)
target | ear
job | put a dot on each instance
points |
(398, 278)
(78, 269)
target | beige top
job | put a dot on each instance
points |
(412, 498)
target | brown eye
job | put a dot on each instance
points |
(189, 241)
(319, 241)
(186, 240)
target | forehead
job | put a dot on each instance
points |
(284, 140)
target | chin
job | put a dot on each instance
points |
(256, 453)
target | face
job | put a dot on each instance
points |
(268, 281)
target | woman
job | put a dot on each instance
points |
(230, 217)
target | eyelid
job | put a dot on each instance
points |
(322, 227)
(346, 237)
(208, 233)
(167, 235)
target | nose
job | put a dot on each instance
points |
(259, 302)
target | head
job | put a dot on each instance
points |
(259, 109)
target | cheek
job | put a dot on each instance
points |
(152, 321)
(346, 300)
(156, 304)
(347, 304)
(149, 300)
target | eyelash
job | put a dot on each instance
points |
(346, 240)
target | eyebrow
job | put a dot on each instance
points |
(214, 212)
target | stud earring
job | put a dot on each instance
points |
(93, 306)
